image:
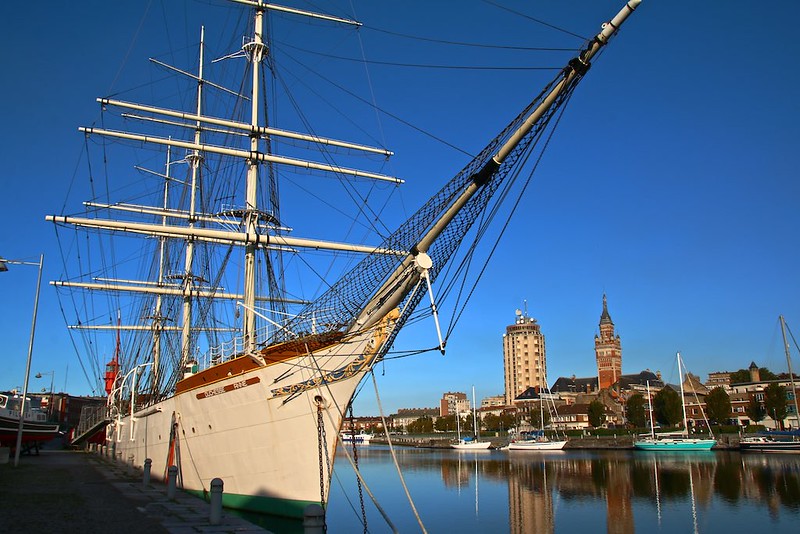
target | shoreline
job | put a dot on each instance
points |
(726, 442)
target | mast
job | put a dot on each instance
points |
(158, 318)
(195, 160)
(475, 415)
(650, 405)
(789, 364)
(255, 51)
(541, 397)
(417, 262)
(683, 403)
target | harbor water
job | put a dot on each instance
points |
(566, 491)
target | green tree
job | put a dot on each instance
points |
(718, 406)
(446, 423)
(743, 375)
(536, 416)
(423, 425)
(668, 407)
(740, 376)
(596, 413)
(775, 402)
(755, 411)
(635, 412)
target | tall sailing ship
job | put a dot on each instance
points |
(227, 370)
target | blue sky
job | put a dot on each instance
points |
(671, 184)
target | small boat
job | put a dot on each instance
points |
(536, 441)
(361, 438)
(672, 441)
(36, 429)
(468, 442)
(778, 441)
(769, 443)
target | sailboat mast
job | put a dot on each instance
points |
(475, 414)
(683, 403)
(255, 50)
(650, 405)
(789, 364)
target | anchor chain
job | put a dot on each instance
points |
(322, 443)
(355, 465)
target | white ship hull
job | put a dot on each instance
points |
(471, 445)
(536, 445)
(242, 429)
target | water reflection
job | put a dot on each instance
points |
(621, 491)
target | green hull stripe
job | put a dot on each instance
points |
(260, 504)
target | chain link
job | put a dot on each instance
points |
(355, 464)
(322, 444)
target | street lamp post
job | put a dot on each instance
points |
(50, 397)
(3, 267)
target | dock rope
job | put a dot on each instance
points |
(394, 456)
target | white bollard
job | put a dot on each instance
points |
(314, 519)
(215, 515)
(172, 481)
(148, 463)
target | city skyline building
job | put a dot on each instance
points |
(453, 403)
(607, 350)
(524, 357)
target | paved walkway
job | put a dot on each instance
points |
(68, 491)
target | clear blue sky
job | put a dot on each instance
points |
(671, 185)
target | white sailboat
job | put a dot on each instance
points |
(788, 442)
(470, 443)
(674, 441)
(228, 371)
(539, 441)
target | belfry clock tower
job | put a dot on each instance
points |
(607, 350)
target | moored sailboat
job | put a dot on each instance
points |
(470, 442)
(673, 441)
(539, 441)
(789, 441)
(261, 409)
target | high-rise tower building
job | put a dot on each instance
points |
(607, 350)
(524, 358)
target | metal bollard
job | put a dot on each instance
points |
(215, 515)
(172, 481)
(313, 519)
(148, 463)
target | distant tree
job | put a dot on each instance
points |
(766, 374)
(536, 417)
(466, 424)
(718, 406)
(423, 425)
(775, 402)
(446, 423)
(743, 375)
(491, 422)
(755, 411)
(635, 411)
(667, 407)
(740, 376)
(596, 413)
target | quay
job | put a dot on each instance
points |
(77, 491)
